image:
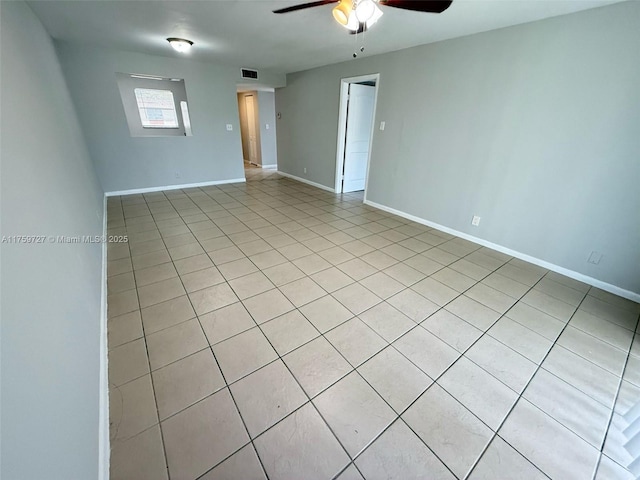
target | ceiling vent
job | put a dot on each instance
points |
(249, 73)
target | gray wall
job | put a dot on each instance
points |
(267, 107)
(535, 128)
(50, 332)
(123, 162)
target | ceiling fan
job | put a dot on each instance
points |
(359, 15)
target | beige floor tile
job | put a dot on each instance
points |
(560, 291)
(505, 364)
(596, 351)
(606, 331)
(243, 354)
(150, 259)
(355, 341)
(311, 264)
(382, 285)
(357, 269)
(595, 381)
(503, 461)
(267, 396)
(536, 320)
(121, 283)
(470, 269)
(167, 314)
(284, 273)
(193, 264)
(350, 473)
(413, 305)
(608, 469)
(212, 298)
(613, 313)
(250, 285)
(453, 433)
(453, 279)
(158, 273)
(243, 464)
(452, 330)
(524, 341)
(132, 409)
(124, 328)
(119, 266)
(141, 457)
(354, 411)
(201, 279)
(495, 300)
(303, 291)
(549, 305)
(569, 406)
(203, 435)
(226, 322)
(267, 305)
(404, 274)
(488, 399)
(426, 351)
(332, 279)
(268, 259)
(175, 342)
(289, 331)
(387, 321)
(160, 292)
(400, 455)
(121, 303)
(356, 298)
(185, 382)
(554, 449)
(506, 285)
(128, 362)
(237, 268)
(301, 446)
(473, 312)
(317, 365)
(395, 378)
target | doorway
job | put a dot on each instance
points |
(358, 98)
(250, 127)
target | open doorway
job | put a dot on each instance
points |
(257, 127)
(358, 96)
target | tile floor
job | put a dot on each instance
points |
(274, 330)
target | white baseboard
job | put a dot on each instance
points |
(174, 187)
(104, 445)
(522, 256)
(270, 167)
(308, 182)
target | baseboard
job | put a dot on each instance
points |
(522, 256)
(174, 187)
(270, 167)
(104, 446)
(308, 182)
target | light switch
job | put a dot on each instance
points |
(229, 127)
(382, 124)
(266, 126)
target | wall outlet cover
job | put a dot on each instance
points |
(475, 221)
(229, 127)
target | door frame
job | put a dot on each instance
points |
(342, 126)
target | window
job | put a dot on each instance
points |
(156, 108)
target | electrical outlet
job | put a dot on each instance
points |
(229, 127)
(475, 221)
(305, 170)
(266, 126)
(177, 174)
(382, 125)
(594, 258)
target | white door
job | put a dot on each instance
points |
(359, 123)
(251, 126)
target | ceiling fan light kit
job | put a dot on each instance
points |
(351, 14)
(181, 45)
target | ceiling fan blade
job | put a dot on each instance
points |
(429, 6)
(302, 6)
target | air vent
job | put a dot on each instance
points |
(248, 73)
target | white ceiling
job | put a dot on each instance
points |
(246, 33)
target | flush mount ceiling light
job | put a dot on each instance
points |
(181, 45)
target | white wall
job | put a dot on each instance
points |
(50, 297)
(123, 162)
(535, 128)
